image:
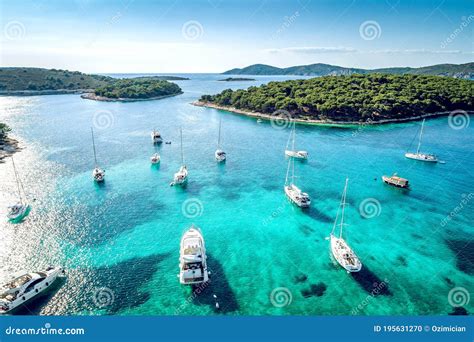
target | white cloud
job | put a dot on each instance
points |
(312, 50)
(344, 50)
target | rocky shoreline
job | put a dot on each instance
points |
(43, 92)
(8, 146)
(92, 96)
(329, 123)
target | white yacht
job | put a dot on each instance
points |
(155, 158)
(341, 251)
(156, 137)
(181, 177)
(292, 153)
(295, 195)
(24, 286)
(426, 157)
(192, 258)
(220, 154)
(98, 174)
(21, 209)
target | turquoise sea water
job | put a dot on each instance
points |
(120, 242)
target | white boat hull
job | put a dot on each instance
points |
(20, 213)
(155, 159)
(220, 156)
(296, 196)
(296, 154)
(7, 305)
(193, 259)
(344, 255)
(181, 177)
(430, 158)
(98, 174)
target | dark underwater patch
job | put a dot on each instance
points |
(371, 283)
(464, 252)
(314, 290)
(300, 278)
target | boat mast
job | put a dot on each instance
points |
(294, 135)
(287, 171)
(343, 204)
(219, 139)
(17, 181)
(182, 155)
(93, 146)
(421, 135)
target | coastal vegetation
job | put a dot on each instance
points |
(354, 98)
(37, 79)
(319, 69)
(138, 88)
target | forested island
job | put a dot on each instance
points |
(38, 81)
(8, 145)
(372, 98)
(134, 89)
(319, 69)
(233, 79)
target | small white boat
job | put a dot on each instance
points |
(426, 157)
(156, 137)
(341, 251)
(259, 120)
(25, 286)
(192, 258)
(294, 194)
(220, 155)
(155, 159)
(98, 174)
(292, 153)
(21, 209)
(181, 177)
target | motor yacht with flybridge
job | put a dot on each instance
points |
(341, 251)
(156, 137)
(24, 286)
(192, 258)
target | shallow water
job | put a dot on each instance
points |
(120, 241)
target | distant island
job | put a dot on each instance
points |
(319, 69)
(134, 89)
(232, 79)
(354, 99)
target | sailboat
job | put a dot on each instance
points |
(192, 258)
(155, 158)
(21, 209)
(181, 177)
(294, 194)
(220, 154)
(156, 137)
(98, 174)
(294, 153)
(419, 155)
(341, 251)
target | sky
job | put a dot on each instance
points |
(143, 36)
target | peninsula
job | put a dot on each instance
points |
(354, 99)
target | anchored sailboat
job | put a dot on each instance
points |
(155, 158)
(294, 194)
(419, 155)
(341, 251)
(156, 137)
(220, 154)
(98, 174)
(294, 153)
(192, 258)
(181, 177)
(21, 209)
